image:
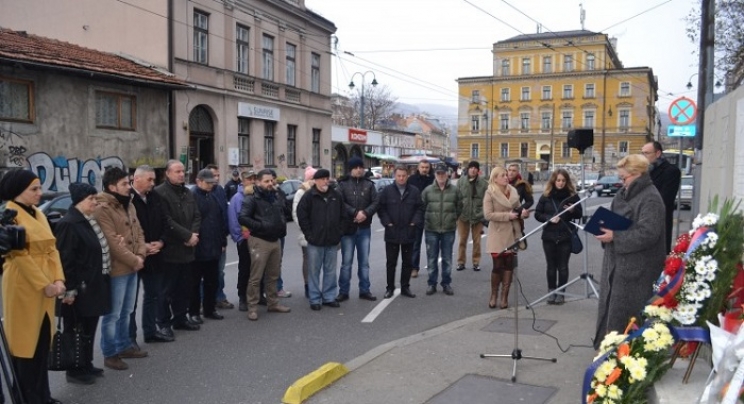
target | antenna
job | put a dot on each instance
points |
(582, 15)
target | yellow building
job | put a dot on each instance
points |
(544, 85)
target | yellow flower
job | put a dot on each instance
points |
(614, 392)
(601, 390)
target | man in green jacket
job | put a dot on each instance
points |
(442, 206)
(472, 188)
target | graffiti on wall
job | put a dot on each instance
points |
(57, 173)
(12, 148)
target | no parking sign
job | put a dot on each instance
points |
(682, 111)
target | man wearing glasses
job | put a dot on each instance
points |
(666, 178)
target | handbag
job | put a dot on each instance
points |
(69, 349)
(576, 245)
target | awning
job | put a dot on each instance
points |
(383, 157)
(418, 158)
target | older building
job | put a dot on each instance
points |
(260, 69)
(544, 85)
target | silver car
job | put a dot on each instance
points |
(685, 199)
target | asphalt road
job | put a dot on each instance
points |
(240, 361)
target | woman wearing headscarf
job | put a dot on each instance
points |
(32, 279)
(556, 236)
(501, 207)
(633, 258)
(86, 262)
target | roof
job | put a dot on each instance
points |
(30, 49)
(550, 35)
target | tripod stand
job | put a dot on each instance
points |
(585, 276)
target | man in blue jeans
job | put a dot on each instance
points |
(421, 179)
(442, 207)
(360, 204)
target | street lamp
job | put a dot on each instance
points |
(488, 141)
(689, 82)
(351, 86)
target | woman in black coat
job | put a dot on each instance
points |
(86, 263)
(556, 235)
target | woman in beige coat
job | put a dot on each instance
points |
(500, 208)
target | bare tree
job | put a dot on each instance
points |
(729, 38)
(378, 105)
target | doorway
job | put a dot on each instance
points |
(201, 141)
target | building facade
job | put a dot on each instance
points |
(260, 70)
(546, 84)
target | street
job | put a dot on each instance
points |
(239, 361)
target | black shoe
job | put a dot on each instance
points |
(332, 304)
(92, 370)
(476, 268)
(315, 307)
(388, 294)
(186, 326)
(167, 331)
(214, 316)
(53, 400)
(262, 302)
(342, 297)
(80, 378)
(196, 319)
(243, 305)
(406, 292)
(159, 336)
(431, 290)
(368, 296)
(460, 267)
(448, 290)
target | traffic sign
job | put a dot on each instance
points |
(682, 111)
(681, 131)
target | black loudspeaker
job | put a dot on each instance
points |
(581, 139)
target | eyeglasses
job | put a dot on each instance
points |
(648, 153)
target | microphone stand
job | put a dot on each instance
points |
(516, 353)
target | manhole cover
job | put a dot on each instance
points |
(477, 389)
(506, 326)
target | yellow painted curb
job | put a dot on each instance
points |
(313, 382)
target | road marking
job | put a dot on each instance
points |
(231, 263)
(380, 307)
(379, 230)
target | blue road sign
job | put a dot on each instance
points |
(681, 131)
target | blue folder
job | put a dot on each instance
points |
(608, 219)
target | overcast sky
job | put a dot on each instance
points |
(419, 48)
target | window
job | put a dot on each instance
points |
(567, 63)
(547, 92)
(525, 94)
(546, 120)
(524, 149)
(201, 37)
(268, 143)
(624, 118)
(547, 64)
(268, 57)
(475, 96)
(505, 67)
(291, 145)
(567, 120)
(568, 91)
(242, 47)
(590, 62)
(505, 95)
(475, 123)
(589, 90)
(524, 119)
(526, 65)
(588, 119)
(315, 73)
(504, 150)
(291, 54)
(16, 100)
(116, 111)
(474, 151)
(625, 89)
(504, 121)
(316, 147)
(565, 150)
(244, 141)
(623, 146)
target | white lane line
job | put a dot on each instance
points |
(379, 230)
(380, 307)
(231, 263)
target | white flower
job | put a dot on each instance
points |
(614, 392)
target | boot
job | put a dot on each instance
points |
(495, 281)
(551, 298)
(505, 284)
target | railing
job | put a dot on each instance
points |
(245, 84)
(292, 95)
(270, 90)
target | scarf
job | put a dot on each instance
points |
(104, 244)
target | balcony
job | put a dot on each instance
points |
(292, 95)
(244, 84)
(270, 90)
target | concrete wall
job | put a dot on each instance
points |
(63, 145)
(723, 150)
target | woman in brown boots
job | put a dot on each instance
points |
(502, 209)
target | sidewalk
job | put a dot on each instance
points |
(443, 365)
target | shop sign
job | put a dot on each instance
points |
(258, 111)
(357, 135)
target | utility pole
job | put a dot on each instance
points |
(705, 82)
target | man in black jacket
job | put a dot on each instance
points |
(263, 213)
(319, 214)
(421, 179)
(401, 213)
(666, 178)
(360, 204)
(152, 219)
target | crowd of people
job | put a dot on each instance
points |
(172, 241)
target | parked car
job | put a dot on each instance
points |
(608, 185)
(290, 187)
(590, 180)
(685, 198)
(376, 172)
(381, 183)
(55, 206)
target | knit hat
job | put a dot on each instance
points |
(322, 173)
(309, 173)
(355, 162)
(80, 191)
(474, 164)
(206, 175)
(236, 173)
(14, 182)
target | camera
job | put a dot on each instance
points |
(12, 237)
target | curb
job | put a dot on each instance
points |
(313, 382)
